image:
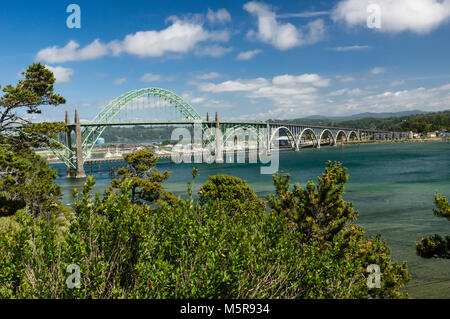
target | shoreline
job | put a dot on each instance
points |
(415, 140)
(355, 142)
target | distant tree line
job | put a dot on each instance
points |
(419, 123)
(137, 133)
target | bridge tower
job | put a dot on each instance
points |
(219, 150)
(79, 161)
(69, 132)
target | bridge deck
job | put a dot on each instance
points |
(212, 123)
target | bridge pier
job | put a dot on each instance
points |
(219, 150)
(79, 161)
(69, 132)
(268, 141)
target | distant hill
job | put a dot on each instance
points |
(421, 123)
(367, 114)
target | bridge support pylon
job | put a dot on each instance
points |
(79, 171)
(268, 141)
(219, 150)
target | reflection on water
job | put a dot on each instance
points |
(392, 186)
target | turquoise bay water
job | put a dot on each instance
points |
(391, 185)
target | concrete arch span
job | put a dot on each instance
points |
(311, 133)
(326, 131)
(289, 134)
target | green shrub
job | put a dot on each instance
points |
(436, 246)
(321, 216)
(222, 246)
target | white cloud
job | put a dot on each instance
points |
(418, 16)
(315, 31)
(71, 52)
(378, 70)
(313, 79)
(350, 92)
(215, 51)
(197, 100)
(284, 83)
(150, 77)
(181, 37)
(191, 99)
(207, 76)
(351, 101)
(283, 36)
(345, 78)
(306, 14)
(289, 96)
(419, 98)
(338, 92)
(397, 83)
(61, 74)
(445, 87)
(285, 91)
(205, 101)
(234, 86)
(214, 104)
(350, 48)
(220, 16)
(120, 81)
(248, 55)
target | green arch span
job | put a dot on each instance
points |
(91, 134)
(115, 106)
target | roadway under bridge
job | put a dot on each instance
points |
(151, 100)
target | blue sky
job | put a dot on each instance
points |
(246, 60)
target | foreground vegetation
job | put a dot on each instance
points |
(223, 245)
(138, 241)
(435, 245)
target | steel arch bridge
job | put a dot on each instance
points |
(93, 132)
(87, 134)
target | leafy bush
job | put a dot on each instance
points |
(232, 193)
(435, 245)
(322, 217)
(146, 182)
(224, 245)
(26, 182)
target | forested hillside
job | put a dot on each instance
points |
(137, 134)
(420, 123)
